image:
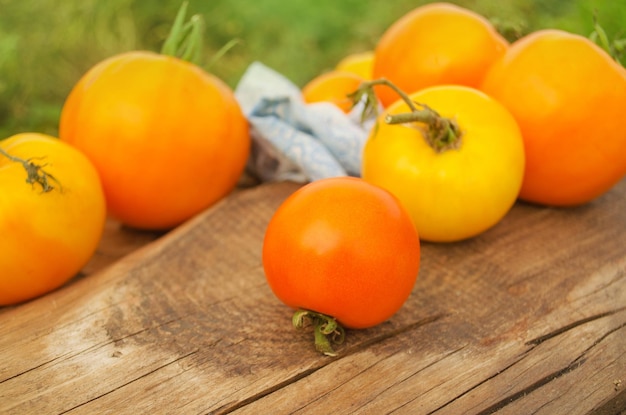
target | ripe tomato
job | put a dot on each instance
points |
(334, 87)
(51, 219)
(167, 138)
(438, 43)
(454, 193)
(569, 97)
(344, 248)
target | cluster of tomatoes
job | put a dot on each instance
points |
(537, 119)
(148, 138)
(471, 123)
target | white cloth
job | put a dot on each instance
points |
(293, 140)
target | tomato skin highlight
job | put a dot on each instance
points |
(47, 237)
(344, 248)
(458, 193)
(569, 98)
(167, 138)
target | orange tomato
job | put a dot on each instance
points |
(344, 248)
(167, 138)
(568, 97)
(51, 219)
(360, 63)
(438, 43)
(334, 87)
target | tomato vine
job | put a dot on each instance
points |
(441, 133)
(34, 172)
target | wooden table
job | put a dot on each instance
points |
(528, 318)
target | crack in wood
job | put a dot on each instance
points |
(33, 368)
(531, 388)
(477, 385)
(614, 406)
(417, 373)
(576, 363)
(447, 355)
(561, 330)
(66, 356)
(178, 359)
(233, 406)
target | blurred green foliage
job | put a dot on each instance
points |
(45, 45)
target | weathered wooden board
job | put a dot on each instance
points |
(529, 317)
(117, 241)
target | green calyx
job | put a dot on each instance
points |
(326, 330)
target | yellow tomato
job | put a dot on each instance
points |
(51, 219)
(456, 192)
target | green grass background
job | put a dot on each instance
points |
(46, 45)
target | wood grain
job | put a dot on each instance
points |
(529, 317)
(117, 241)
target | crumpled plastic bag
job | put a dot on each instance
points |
(293, 140)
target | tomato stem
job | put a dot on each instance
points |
(326, 330)
(441, 133)
(34, 172)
